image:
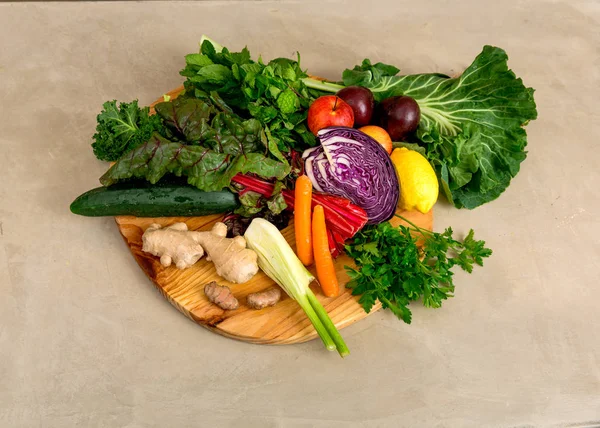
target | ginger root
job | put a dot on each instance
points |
(174, 243)
(221, 296)
(262, 299)
(233, 261)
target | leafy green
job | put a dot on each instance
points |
(122, 128)
(393, 269)
(272, 93)
(250, 204)
(253, 202)
(186, 119)
(204, 168)
(206, 143)
(200, 123)
(471, 126)
(276, 203)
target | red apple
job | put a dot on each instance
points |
(329, 110)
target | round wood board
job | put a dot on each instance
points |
(284, 323)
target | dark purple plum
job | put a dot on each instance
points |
(362, 102)
(399, 116)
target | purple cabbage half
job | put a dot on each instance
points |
(351, 164)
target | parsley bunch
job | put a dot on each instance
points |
(394, 269)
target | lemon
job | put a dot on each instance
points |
(418, 183)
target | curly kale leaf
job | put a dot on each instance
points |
(122, 128)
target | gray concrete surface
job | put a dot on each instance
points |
(86, 341)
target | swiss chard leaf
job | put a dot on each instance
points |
(198, 122)
(253, 203)
(250, 204)
(471, 125)
(187, 118)
(204, 168)
(276, 203)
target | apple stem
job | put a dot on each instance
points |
(335, 103)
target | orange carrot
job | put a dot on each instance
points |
(323, 261)
(302, 208)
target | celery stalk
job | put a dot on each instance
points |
(322, 85)
(277, 259)
(316, 321)
(324, 317)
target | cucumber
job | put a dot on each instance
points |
(146, 200)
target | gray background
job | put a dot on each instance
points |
(85, 340)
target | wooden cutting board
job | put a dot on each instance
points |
(284, 323)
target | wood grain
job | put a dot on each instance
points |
(284, 323)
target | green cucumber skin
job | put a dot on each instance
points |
(159, 201)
